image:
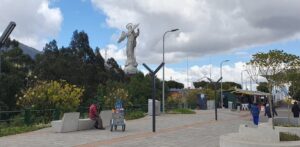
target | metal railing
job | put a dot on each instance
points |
(30, 116)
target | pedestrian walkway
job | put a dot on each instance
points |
(188, 130)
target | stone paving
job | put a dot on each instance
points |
(187, 130)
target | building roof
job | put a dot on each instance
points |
(250, 92)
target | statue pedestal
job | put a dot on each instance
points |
(130, 69)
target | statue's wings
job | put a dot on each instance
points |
(122, 37)
(135, 26)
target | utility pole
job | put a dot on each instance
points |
(215, 86)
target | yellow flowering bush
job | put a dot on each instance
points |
(52, 94)
(114, 94)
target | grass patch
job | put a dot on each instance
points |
(12, 130)
(181, 111)
(287, 125)
(288, 137)
(134, 115)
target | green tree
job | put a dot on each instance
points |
(294, 89)
(15, 75)
(201, 84)
(77, 64)
(230, 85)
(263, 87)
(51, 47)
(110, 92)
(274, 64)
(174, 84)
(139, 88)
(114, 70)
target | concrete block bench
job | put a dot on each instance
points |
(86, 123)
(71, 122)
(68, 123)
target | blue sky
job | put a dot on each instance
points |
(80, 15)
(210, 30)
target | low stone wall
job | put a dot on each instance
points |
(263, 136)
(232, 140)
(286, 121)
(292, 130)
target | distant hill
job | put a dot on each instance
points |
(26, 50)
(29, 50)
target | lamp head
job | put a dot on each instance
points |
(174, 30)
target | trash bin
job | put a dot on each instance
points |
(202, 101)
(157, 107)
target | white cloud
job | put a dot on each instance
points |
(199, 73)
(206, 26)
(112, 51)
(36, 20)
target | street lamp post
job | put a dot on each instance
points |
(163, 86)
(221, 65)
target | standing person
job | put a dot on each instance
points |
(295, 110)
(267, 111)
(274, 111)
(255, 113)
(94, 115)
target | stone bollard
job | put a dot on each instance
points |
(238, 108)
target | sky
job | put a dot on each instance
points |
(210, 31)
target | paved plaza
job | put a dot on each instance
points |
(189, 130)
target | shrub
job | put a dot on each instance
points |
(182, 111)
(4, 131)
(115, 94)
(288, 137)
(134, 115)
(53, 94)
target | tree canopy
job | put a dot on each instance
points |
(15, 75)
(274, 64)
(174, 84)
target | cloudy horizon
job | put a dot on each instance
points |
(210, 31)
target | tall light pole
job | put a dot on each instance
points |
(163, 86)
(221, 66)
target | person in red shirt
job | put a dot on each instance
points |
(94, 115)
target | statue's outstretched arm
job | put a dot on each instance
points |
(135, 26)
(138, 32)
(122, 37)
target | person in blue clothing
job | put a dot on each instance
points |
(255, 113)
